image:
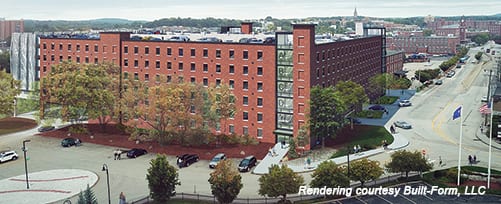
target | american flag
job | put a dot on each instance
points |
(485, 109)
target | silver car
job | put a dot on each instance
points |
(402, 124)
(404, 103)
(213, 163)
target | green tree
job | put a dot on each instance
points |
(427, 32)
(406, 161)
(225, 182)
(9, 89)
(381, 81)
(4, 61)
(83, 90)
(223, 103)
(478, 56)
(87, 197)
(351, 93)
(162, 179)
(280, 181)
(328, 174)
(365, 170)
(481, 38)
(326, 111)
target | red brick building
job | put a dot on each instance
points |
(7, 27)
(271, 81)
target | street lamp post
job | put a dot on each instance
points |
(348, 160)
(26, 163)
(488, 93)
(105, 168)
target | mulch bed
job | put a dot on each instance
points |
(116, 138)
(14, 124)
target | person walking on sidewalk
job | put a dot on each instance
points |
(122, 198)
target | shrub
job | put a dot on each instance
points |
(370, 114)
(248, 140)
(386, 100)
(78, 129)
(196, 138)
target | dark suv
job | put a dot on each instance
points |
(186, 160)
(247, 163)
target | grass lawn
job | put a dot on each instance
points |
(10, 125)
(368, 137)
(448, 178)
(387, 99)
(480, 169)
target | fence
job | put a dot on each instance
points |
(293, 198)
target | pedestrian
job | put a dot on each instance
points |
(305, 163)
(359, 149)
(354, 148)
(274, 153)
(283, 144)
(440, 160)
(481, 129)
(270, 152)
(470, 159)
(115, 155)
(475, 159)
(122, 198)
(308, 162)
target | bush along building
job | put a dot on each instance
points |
(271, 80)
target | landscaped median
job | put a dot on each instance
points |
(365, 136)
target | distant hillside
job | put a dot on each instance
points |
(65, 25)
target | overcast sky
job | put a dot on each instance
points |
(248, 9)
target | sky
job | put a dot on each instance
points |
(243, 10)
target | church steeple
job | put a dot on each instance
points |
(355, 14)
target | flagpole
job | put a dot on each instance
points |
(460, 141)
(490, 148)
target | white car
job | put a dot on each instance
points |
(8, 155)
(404, 103)
(484, 99)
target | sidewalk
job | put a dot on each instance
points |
(46, 186)
(482, 137)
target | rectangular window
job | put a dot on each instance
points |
(246, 54)
(192, 109)
(259, 55)
(169, 65)
(52, 46)
(259, 117)
(205, 67)
(245, 70)
(96, 48)
(181, 52)
(157, 64)
(69, 58)
(232, 69)
(169, 78)
(260, 86)
(61, 46)
(146, 77)
(169, 51)
(193, 67)
(259, 133)
(44, 46)
(180, 66)
(136, 50)
(245, 100)
(180, 79)
(232, 84)
(78, 59)
(260, 71)
(232, 129)
(245, 130)
(218, 53)
(193, 53)
(259, 101)
(146, 63)
(206, 82)
(193, 80)
(218, 82)
(218, 68)
(157, 51)
(52, 58)
(245, 116)
(136, 63)
(126, 49)
(146, 50)
(157, 78)
(136, 76)
(232, 54)
(86, 48)
(44, 57)
(60, 58)
(78, 48)
(126, 75)
(245, 85)
(86, 59)
(206, 53)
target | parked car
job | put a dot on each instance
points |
(355, 120)
(451, 74)
(247, 163)
(186, 160)
(8, 156)
(439, 82)
(70, 141)
(404, 103)
(377, 107)
(402, 124)
(213, 163)
(135, 152)
(46, 128)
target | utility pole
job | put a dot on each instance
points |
(26, 163)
